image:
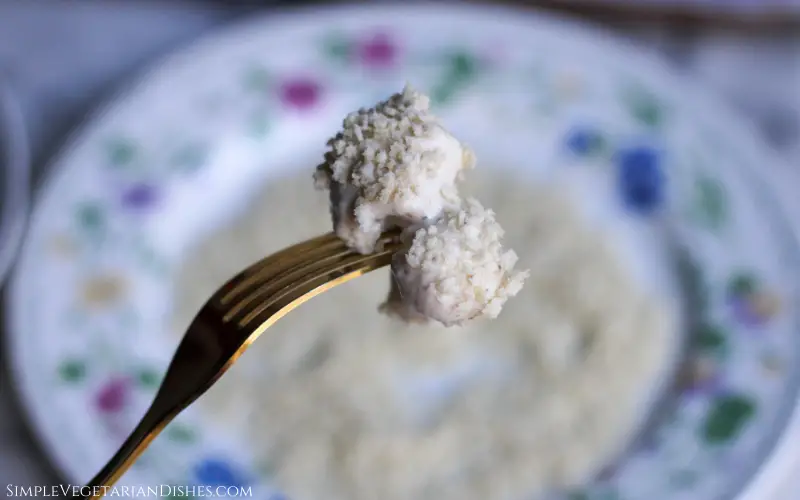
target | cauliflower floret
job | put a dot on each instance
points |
(391, 165)
(455, 270)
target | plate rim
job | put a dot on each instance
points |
(17, 154)
(765, 477)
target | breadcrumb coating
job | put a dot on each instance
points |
(455, 270)
(391, 165)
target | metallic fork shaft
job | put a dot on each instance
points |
(231, 320)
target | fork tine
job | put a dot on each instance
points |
(305, 279)
(285, 263)
(264, 282)
(295, 253)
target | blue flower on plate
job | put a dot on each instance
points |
(585, 141)
(139, 196)
(216, 472)
(640, 178)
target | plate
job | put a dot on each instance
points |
(14, 166)
(175, 155)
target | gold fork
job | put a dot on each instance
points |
(231, 320)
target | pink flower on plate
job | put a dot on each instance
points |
(113, 396)
(378, 51)
(300, 93)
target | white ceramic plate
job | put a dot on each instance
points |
(166, 162)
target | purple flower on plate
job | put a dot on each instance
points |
(113, 396)
(378, 51)
(139, 196)
(300, 93)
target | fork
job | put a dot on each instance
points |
(231, 320)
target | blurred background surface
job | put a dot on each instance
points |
(65, 58)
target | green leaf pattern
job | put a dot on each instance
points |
(72, 371)
(726, 418)
(461, 68)
(742, 284)
(148, 378)
(337, 47)
(644, 106)
(711, 339)
(179, 433)
(710, 205)
(121, 152)
(190, 157)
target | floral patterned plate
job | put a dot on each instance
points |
(89, 301)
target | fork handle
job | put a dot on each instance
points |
(260, 296)
(149, 427)
(183, 383)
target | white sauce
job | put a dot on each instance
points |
(347, 404)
